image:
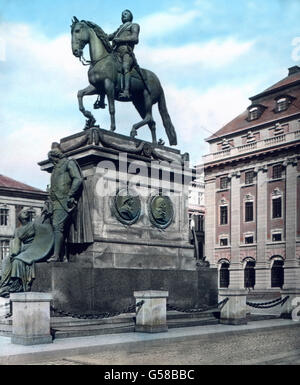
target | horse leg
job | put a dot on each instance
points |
(148, 119)
(152, 127)
(110, 92)
(90, 90)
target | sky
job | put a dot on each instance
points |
(210, 56)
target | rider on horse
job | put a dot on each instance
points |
(123, 40)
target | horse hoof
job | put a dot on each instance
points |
(133, 133)
(113, 129)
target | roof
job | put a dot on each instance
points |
(240, 122)
(10, 183)
(287, 81)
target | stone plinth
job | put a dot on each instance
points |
(4, 306)
(291, 308)
(234, 311)
(80, 289)
(152, 316)
(31, 318)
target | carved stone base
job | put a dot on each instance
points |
(81, 289)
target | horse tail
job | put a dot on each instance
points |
(170, 130)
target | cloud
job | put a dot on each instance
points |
(198, 115)
(22, 149)
(211, 54)
(161, 23)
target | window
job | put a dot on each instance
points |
(277, 274)
(224, 215)
(277, 171)
(282, 104)
(224, 275)
(4, 249)
(249, 239)
(224, 182)
(4, 216)
(223, 241)
(276, 207)
(199, 197)
(200, 223)
(253, 113)
(248, 211)
(249, 176)
(249, 275)
(276, 237)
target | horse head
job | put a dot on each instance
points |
(80, 36)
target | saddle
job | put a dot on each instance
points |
(134, 73)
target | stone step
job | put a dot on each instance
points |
(92, 330)
(261, 317)
(178, 315)
(188, 322)
(56, 322)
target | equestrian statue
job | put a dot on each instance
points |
(115, 73)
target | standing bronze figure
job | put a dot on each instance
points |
(114, 72)
(68, 206)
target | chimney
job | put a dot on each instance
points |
(293, 70)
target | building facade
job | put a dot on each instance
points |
(252, 192)
(14, 196)
(196, 210)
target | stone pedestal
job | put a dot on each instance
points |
(31, 318)
(4, 306)
(234, 311)
(152, 316)
(291, 308)
(138, 197)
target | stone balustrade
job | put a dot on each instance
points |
(247, 148)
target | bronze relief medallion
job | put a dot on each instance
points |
(160, 211)
(127, 206)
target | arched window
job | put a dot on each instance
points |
(277, 273)
(224, 275)
(249, 274)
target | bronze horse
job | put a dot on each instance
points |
(105, 79)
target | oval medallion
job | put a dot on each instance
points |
(161, 211)
(127, 206)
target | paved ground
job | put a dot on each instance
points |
(279, 347)
(274, 341)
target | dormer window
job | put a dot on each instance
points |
(255, 111)
(283, 102)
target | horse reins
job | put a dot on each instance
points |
(90, 62)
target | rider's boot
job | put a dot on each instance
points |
(125, 93)
(99, 102)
